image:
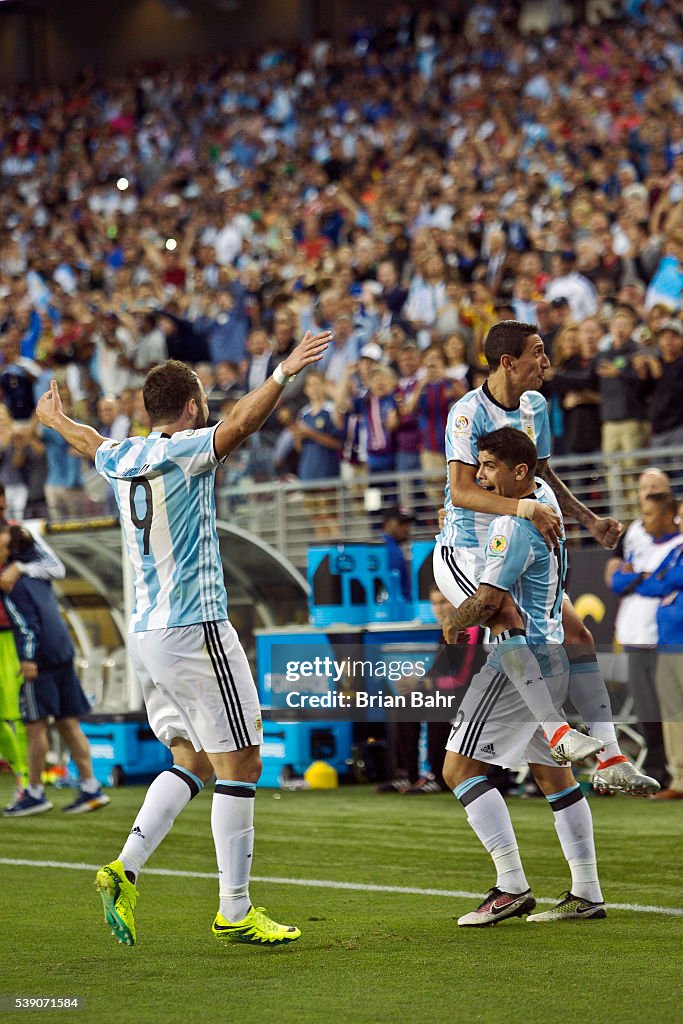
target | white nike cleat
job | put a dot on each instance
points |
(498, 906)
(570, 908)
(574, 746)
(618, 775)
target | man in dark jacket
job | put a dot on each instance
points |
(51, 687)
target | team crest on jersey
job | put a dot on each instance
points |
(258, 725)
(498, 544)
(461, 424)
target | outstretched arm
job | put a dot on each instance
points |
(606, 530)
(466, 493)
(80, 436)
(253, 410)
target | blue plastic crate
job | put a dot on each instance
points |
(123, 749)
(352, 583)
(422, 579)
(297, 744)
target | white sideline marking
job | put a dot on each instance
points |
(317, 883)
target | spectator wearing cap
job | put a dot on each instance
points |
(378, 410)
(349, 418)
(395, 532)
(666, 397)
(569, 284)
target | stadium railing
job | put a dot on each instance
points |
(292, 515)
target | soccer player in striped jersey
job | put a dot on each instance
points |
(493, 725)
(517, 363)
(199, 693)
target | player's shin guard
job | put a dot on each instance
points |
(232, 824)
(574, 827)
(490, 820)
(522, 669)
(588, 694)
(165, 799)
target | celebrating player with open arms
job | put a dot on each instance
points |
(199, 692)
(517, 363)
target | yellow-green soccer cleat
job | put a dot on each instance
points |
(570, 908)
(256, 928)
(118, 899)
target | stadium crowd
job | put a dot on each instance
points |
(406, 188)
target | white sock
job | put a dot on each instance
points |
(524, 672)
(574, 827)
(165, 799)
(588, 694)
(232, 824)
(490, 821)
(90, 785)
(37, 792)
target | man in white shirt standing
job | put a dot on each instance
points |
(636, 623)
(572, 286)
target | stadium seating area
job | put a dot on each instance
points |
(407, 187)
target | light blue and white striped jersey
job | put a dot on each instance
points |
(518, 560)
(474, 414)
(164, 488)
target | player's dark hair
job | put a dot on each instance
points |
(667, 502)
(511, 446)
(507, 338)
(167, 390)
(20, 541)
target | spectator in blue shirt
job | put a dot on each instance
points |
(64, 492)
(318, 441)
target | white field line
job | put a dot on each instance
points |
(317, 883)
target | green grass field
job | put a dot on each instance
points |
(365, 957)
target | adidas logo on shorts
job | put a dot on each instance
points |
(488, 748)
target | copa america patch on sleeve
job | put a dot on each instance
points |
(498, 544)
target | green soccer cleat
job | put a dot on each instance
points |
(570, 908)
(118, 898)
(256, 928)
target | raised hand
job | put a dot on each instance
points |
(310, 349)
(49, 409)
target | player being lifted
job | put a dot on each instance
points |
(517, 363)
(493, 725)
(199, 692)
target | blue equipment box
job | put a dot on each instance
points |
(352, 583)
(296, 745)
(123, 749)
(422, 579)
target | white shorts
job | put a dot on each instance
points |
(494, 724)
(457, 572)
(198, 686)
